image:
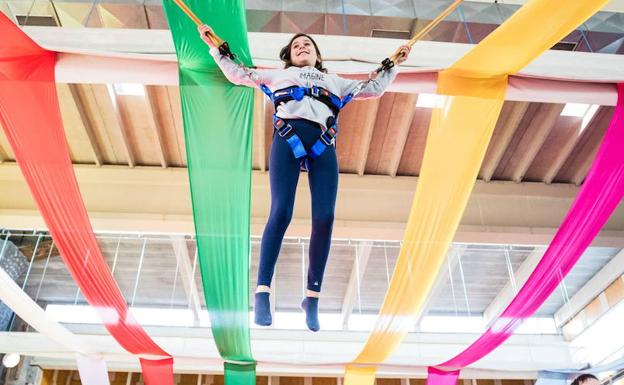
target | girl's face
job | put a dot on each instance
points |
(302, 52)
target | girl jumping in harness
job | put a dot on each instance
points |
(307, 101)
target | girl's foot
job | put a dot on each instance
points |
(262, 309)
(310, 306)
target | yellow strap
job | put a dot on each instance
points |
(432, 24)
(458, 137)
(211, 35)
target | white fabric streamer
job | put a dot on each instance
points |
(91, 366)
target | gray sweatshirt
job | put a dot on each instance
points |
(308, 108)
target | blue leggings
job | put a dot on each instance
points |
(284, 172)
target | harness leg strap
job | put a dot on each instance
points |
(325, 140)
(286, 131)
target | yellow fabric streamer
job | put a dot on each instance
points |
(459, 133)
(533, 29)
(458, 137)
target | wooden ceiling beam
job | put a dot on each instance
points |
(122, 126)
(563, 153)
(400, 124)
(366, 123)
(86, 123)
(507, 124)
(3, 154)
(595, 131)
(157, 125)
(532, 141)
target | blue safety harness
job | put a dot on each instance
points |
(285, 130)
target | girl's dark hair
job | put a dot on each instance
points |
(582, 378)
(285, 53)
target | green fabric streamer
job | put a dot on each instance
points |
(218, 132)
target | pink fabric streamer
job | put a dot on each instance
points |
(601, 193)
(441, 377)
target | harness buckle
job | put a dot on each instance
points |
(328, 136)
(282, 128)
(224, 49)
(297, 93)
(386, 64)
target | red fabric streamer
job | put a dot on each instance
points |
(31, 119)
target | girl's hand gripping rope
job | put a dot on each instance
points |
(209, 37)
(206, 33)
(401, 53)
(398, 57)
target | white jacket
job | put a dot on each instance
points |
(308, 108)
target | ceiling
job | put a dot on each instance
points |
(532, 142)
(378, 18)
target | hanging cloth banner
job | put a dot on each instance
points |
(31, 313)
(218, 132)
(31, 119)
(459, 133)
(28, 310)
(514, 44)
(92, 371)
(599, 196)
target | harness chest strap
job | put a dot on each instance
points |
(297, 93)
